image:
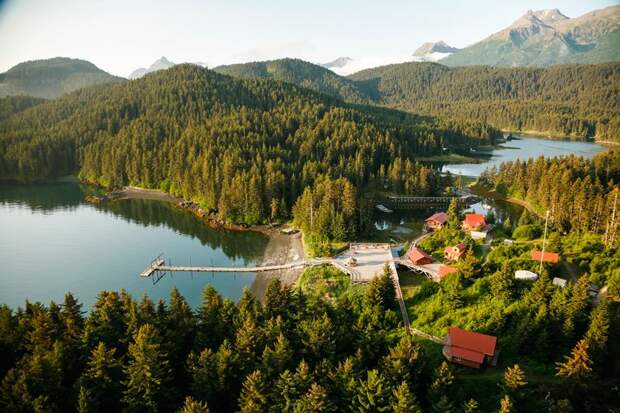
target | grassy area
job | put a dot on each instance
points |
(410, 283)
(452, 158)
(327, 282)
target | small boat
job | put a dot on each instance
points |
(383, 208)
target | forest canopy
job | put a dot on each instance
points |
(237, 146)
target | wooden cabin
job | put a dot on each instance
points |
(418, 257)
(455, 253)
(436, 221)
(474, 222)
(470, 349)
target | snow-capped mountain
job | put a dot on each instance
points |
(160, 64)
(433, 51)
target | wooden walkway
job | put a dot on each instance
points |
(158, 268)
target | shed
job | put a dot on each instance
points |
(437, 220)
(418, 257)
(469, 348)
(551, 257)
(526, 275)
(560, 282)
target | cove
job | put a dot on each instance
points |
(52, 242)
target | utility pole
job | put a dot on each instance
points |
(542, 255)
(610, 233)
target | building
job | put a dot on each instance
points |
(455, 253)
(445, 270)
(474, 222)
(551, 257)
(526, 275)
(436, 221)
(469, 348)
(418, 257)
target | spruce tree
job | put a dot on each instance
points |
(253, 397)
(578, 365)
(147, 373)
(372, 394)
(192, 406)
(404, 401)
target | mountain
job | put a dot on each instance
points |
(300, 73)
(433, 51)
(547, 37)
(337, 63)
(50, 78)
(160, 64)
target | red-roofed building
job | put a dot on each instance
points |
(418, 257)
(445, 270)
(469, 348)
(551, 257)
(474, 222)
(436, 221)
(455, 253)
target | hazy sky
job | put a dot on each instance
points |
(120, 36)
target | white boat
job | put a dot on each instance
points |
(383, 208)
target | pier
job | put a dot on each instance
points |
(362, 262)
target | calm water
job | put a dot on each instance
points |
(52, 242)
(524, 148)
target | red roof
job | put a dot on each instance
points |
(547, 256)
(440, 217)
(474, 220)
(465, 354)
(416, 254)
(468, 341)
(445, 270)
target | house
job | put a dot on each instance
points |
(551, 257)
(526, 275)
(469, 348)
(418, 257)
(455, 253)
(436, 221)
(560, 282)
(474, 222)
(445, 270)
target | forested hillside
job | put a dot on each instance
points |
(301, 73)
(580, 194)
(13, 104)
(50, 78)
(239, 146)
(572, 100)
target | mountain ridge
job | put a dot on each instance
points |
(50, 78)
(547, 37)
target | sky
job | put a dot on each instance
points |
(121, 35)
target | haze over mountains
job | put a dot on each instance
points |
(160, 64)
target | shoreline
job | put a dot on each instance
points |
(281, 248)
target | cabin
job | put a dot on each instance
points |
(418, 257)
(560, 282)
(526, 275)
(436, 221)
(470, 349)
(445, 270)
(474, 222)
(455, 253)
(551, 257)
